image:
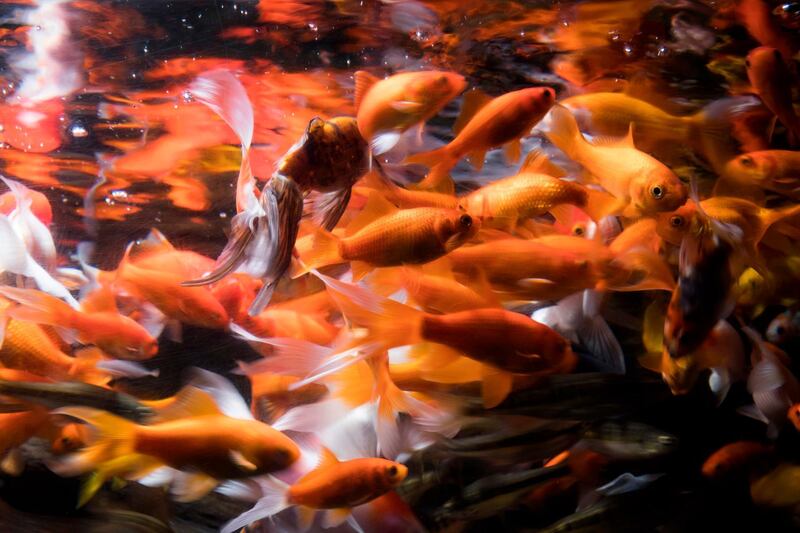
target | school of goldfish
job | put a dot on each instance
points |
(574, 307)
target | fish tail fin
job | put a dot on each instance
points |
(110, 453)
(389, 322)
(430, 158)
(391, 400)
(564, 131)
(39, 307)
(85, 366)
(272, 501)
(781, 214)
(440, 162)
(710, 132)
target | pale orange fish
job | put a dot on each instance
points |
(486, 123)
(641, 184)
(388, 107)
(385, 236)
(774, 170)
(770, 77)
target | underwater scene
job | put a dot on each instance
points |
(399, 266)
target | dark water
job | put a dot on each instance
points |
(110, 78)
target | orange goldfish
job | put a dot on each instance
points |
(110, 331)
(405, 198)
(486, 123)
(388, 107)
(773, 82)
(555, 266)
(40, 205)
(510, 343)
(274, 394)
(210, 444)
(505, 202)
(385, 236)
(640, 183)
(334, 487)
(737, 458)
(752, 220)
(774, 170)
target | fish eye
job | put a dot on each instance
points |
(747, 63)
(657, 191)
(780, 330)
(578, 231)
(747, 161)
(676, 221)
(392, 471)
(465, 220)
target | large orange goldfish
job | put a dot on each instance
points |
(388, 107)
(486, 123)
(774, 170)
(641, 184)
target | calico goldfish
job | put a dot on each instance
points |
(334, 487)
(388, 107)
(385, 236)
(110, 331)
(641, 184)
(774, 170)
(771, 79)
(485, 123)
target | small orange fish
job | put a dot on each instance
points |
(334, 487)
(736, 459)
(406, 198)
(273, 394)
(794, 415)
(385, 236)
(771, 79)
(110, 331)
(485, 123)
(390, 106)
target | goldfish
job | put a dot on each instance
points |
(485, 123)
(388, 107)
(794, 416)
(753, 221)
(503, 203)
(385, 236)
(323, 165)
(115, 334)
(703, 294)
(772, 80)
(555, 266)
(613, 115)
(273, 394)
(70, 437)
(736, 458)
(774, 170)
(406, 198)
(209, 443)
(512, 343)
(784, 327)
(334, 487)
(640, 183)
(40, 205)
(778, 488)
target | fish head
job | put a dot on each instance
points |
(455, 228)
(660, 191)
(536, 101)
(673, 226)
(780, 329)
(749, 168)
(390, 473)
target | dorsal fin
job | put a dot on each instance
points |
(377, 206)
(616, 142)
(326, 458)
(189, 402)
(99, 300)
(154, 242)
(537, 162)
(474, 100)
(364, 81)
